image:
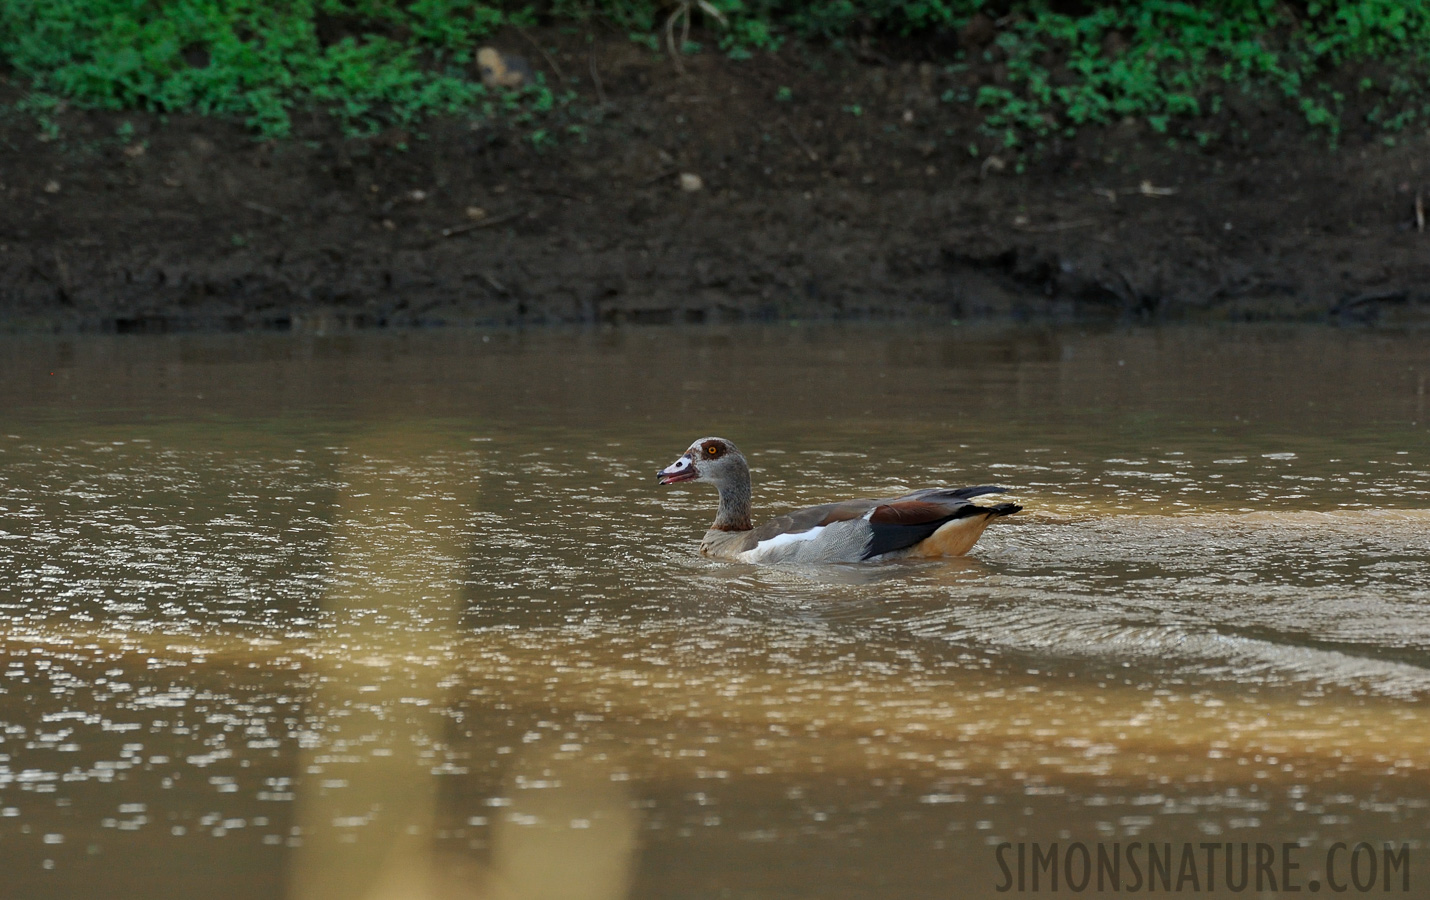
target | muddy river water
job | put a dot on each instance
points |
(406, 615)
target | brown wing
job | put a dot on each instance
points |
(912, 512)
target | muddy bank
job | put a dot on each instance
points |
(849, 188)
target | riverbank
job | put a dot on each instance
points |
(734, 190)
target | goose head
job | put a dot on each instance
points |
(713, 460)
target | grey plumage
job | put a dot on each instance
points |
(927, 522)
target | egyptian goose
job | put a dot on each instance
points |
(927, 523)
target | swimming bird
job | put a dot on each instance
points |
(928, 523)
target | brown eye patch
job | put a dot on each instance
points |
(712, 450)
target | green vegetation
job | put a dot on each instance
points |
(1173, 62)
(371, 63)
(381, 63)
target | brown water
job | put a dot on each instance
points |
(407, 616)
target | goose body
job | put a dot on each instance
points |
(927, 523)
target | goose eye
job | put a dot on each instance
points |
(712, 450)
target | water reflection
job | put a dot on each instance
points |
(369, 780)
(404, 617)
(566, 830)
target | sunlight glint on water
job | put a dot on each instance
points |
(412, 609)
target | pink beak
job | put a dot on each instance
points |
(682, 469)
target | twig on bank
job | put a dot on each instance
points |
(1055, 226)
(682, 11)
(266, 210)
(1147, 189)
(1420, 210)
(64, 273)
(550, 61)
(473, 226)
(1127, 284)
(666, 173)
(1368, 299)
(557, 192)
(596, 76)
(496, 285)
(813, 157)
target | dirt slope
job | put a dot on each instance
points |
(856, 192)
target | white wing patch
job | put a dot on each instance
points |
(770, 544)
